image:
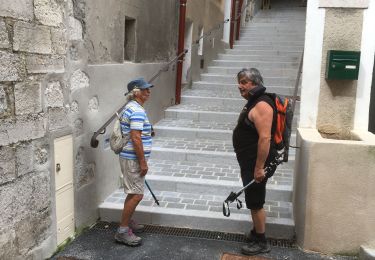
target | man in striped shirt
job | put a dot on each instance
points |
(133, 158)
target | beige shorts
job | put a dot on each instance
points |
(132, 180)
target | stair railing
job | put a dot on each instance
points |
(297, 81)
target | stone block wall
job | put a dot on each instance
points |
(46, 92)
(42, 60)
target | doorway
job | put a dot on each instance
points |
(64, 189)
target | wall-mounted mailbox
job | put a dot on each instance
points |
(342, 65)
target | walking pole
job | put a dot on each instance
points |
(153, 195)
(234, 195)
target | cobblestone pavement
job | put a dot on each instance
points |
(198, 144)
(210, 93)
(207, 107)
(210, 171)
(187, 123)
(209, 203)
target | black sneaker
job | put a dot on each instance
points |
(256, 247)
(250, 237)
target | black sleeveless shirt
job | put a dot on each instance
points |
(245, 135)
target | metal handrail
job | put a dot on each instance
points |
(297, 81)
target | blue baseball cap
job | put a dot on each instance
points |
(139, 83)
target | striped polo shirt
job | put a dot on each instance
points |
(134, 117)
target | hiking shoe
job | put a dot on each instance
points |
(137, 228)
(128, 238)
(256, 247)
(250, 237)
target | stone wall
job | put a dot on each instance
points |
(155, 29)
(34, 103)
(337, 98)
(46, 48)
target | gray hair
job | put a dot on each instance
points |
(131, 95)
(251, 74)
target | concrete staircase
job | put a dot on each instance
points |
(193, 167)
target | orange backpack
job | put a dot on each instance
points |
(283, 127)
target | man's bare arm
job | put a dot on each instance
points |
(262, 116)
(135, 135)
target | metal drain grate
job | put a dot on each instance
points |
(196, 233)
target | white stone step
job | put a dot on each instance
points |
(198, 150)
(211, 114)
(266, 47)
(275, 25)
(300, 31)
(231, 90)
(257, 20)
(220, 184)
(217, 101)
(192, 130)
(254, 28)
(228, 79)
(251, 40)
(186, 210)
(255, 64)
(247, 57)
(265, 71)
(275, 36)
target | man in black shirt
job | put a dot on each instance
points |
(252, 144)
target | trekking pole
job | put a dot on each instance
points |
(94, 142)
(234, 195)
(153, 195)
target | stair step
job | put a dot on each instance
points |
(231, 90)
(265, 72)
(191, 210)
(251, 40)
(275, 25)
(211, 178)
(266, 47)
(272, 30)
(199, 115)
(246, 57)
(192, 130)
(217, 78)
(195, 97)
(255, 50)
(272, 37)
(211, 114)
(256, 64)
(202, 150)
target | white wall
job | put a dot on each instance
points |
(312, 64)
(361, 117)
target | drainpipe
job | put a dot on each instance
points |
(239, 20)
(232, 14)
(181, 40)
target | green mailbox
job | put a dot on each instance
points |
(342, 64)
